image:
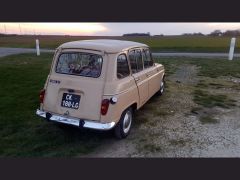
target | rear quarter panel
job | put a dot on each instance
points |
(124, 89)
(126, 94)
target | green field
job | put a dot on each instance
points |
(26, 135)
(157, 44)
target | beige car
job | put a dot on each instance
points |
(98, 84)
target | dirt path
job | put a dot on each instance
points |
(166, 127)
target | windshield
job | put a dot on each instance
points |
(80, 64)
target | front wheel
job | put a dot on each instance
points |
(123, 127)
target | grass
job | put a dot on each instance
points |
(178, 142)
(22, 132)
(209, 100)
(208, 120)
(152, 148)
(167, 43)
(208, 67)
(218, 67)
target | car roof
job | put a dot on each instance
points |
(104, 45)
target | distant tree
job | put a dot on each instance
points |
(186, 34)
(193, 34)
(198, 34)
(158, 35)
(232, 33)
(216, 33)
(137, 34)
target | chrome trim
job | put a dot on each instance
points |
(75, 121)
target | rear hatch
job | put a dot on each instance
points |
(75, 86)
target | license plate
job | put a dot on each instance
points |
(70, 100)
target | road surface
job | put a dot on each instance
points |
(9, 51)
(184, 54)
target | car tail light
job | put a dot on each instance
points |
(104, 106)
(41, 95)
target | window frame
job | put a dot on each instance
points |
(75, 52)
(134, 49)
(144, 51)
(127, 65)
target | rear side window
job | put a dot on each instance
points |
(80, 64)
(139, 60)
(122, 66)
(133, 62)
(148, 62)
(135, 57)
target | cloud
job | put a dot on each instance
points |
(54, 28)
(114, 29)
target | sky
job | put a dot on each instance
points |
(113, 29)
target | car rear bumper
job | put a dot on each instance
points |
(75, 121)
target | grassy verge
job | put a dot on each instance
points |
(167, 43)
(22, 132)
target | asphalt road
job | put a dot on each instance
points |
(9, 51)
(202, 55)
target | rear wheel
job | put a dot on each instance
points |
(123, 127)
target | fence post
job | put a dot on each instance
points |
(231, 50)
(37, 47)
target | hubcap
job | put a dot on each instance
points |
(162, 87)
(127, 121)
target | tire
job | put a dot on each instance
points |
(162, 87)
(123, 127)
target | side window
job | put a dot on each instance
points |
(139, 60)
(132, 60)
(147, 58)
(148, 62)
(122, 66)
(135, 58)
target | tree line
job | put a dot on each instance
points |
(226, 33)
(213, 33)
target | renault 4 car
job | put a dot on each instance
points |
(98, 84)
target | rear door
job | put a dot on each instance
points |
(152, 72)
(139, 74)
(75, 86)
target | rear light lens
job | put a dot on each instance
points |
(104, 106)
(41, 95)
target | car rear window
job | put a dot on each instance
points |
(80, 64)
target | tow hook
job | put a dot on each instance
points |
(48, 116)
(81, 123)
